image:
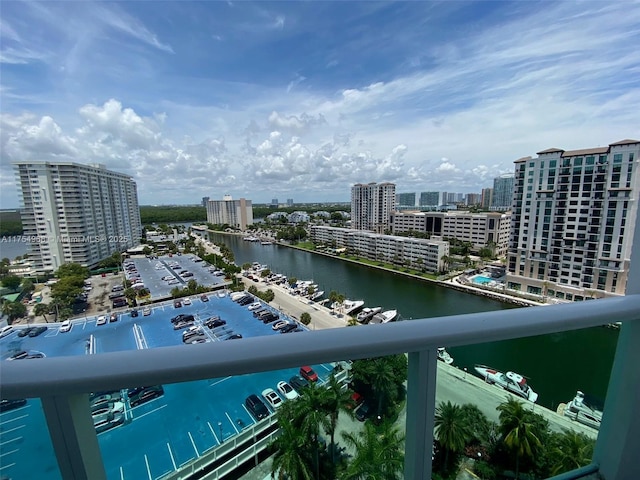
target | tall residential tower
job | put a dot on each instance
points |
(371, 206)
(573, 220)
(237, 213)
(76, 213)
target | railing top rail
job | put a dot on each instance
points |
(77, 374)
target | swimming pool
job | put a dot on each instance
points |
(188, 420)
(481, 280)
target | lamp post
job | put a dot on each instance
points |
(220, 428)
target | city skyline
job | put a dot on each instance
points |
(274, 100)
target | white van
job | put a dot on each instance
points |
(65, 326)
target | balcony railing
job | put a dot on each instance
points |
(63, 383)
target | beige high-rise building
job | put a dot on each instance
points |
(573, 221)
(372, 205)
(76, 213)
(235, 213)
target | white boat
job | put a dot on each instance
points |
(384, 317)
(317, 295)
(510, 381)
(352, 306)
(444, 356)
(579, 411)
(367, 312)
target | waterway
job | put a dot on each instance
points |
(556, 365)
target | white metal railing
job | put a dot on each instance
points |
(63, 382)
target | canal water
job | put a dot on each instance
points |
(556, 365)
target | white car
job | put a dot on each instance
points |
(65, 326)
(272, 398)
(146, 311)
(279, 324)
(186, 301)
(6, 331)
(254, 306)
(102, 320)
(287, 390)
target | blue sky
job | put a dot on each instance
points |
(303, 99)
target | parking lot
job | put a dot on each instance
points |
(161, 274)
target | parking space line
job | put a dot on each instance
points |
(150, 411)
(214, 433)
(17, 418)
(9, 452)
(13, 429)
(14, 439)
(248, 413)
(220, 381)
(2, 467)
(121, 473)
(194, 445)
(173, 460)
(146, 461)
(231, 422)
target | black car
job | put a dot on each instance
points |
(204, 298)
(183, 324)
(145, 394)
(183, 317)
(260, 311)
(177, 304)
(215, 322)
(298, 383)
(134, 313)
(246, 301)
(6, 405)
(289, 328)
(257, 408)
(119, 302)
(37, 331)
(235, 336)
(25, 331)
(363, 412)
(244, 298)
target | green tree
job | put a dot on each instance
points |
(290, 459)
(11, 282)
(41, 309)
(305, 318)
(571, 450)
(28, 286)
(451, 429)
(14, 310)
(336, 399)
(381, 379)
(311, 406)
(518, 430)
(379, 453)
(72, 270)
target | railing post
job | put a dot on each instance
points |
(74, 437)
(421, 405)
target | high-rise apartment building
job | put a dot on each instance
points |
(407, 200)
(236, 213)
(487, 196)
(371, 206)
(76, 213)
(429, 199)
(502, 192)
(573, 221)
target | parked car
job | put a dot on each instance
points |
(6, 330)
(145, 394)
(65, 326)
(6, 405)
(186, 301)
(272, 398)
(286, 390)
(204, 298)
(146, 311)
(298, 383)
(256, 406)
(363, 412)
(134, 313)
(308, 374)
(119, 302)
(113, 317)
(290, 327)
(25, 331)
(215, 323)
(192, 331)
(101, 320)
(235, 336)
(254, 306)
(177, 304)
(279, 325)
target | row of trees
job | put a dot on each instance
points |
(376, 452)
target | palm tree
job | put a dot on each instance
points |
(289, 460)
(517, 429)
(377, 373)
(41, 309)
(451, 428)
(335, 400)
(573, 450)
(378, 453)
(312, 416)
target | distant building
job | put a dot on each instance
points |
(573, 221)
(483, 229)
(414, 252)
(235, 213)
(487, 197)
(429, 199)
(204, 201)
(298, 217)
(274, 203)
(289, 202)
(503, 192)
(406, 200)
(76, 213)
(371, 206)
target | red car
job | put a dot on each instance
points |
(308, 374)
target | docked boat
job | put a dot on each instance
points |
(444, 356)
(579, 411)
(352, 306)
(367, 313)
(384, 317)
(317, 295)
(510, 381)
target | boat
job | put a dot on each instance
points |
(444, 356)
(365, 315)
(579, 411)
(351, 306)
(510, 381)
(317, 295)
(384, 317)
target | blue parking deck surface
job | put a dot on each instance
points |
(186, 421)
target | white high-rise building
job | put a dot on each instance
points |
(236, 213)
(573, 220)
(372, 205)
(76, 213)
